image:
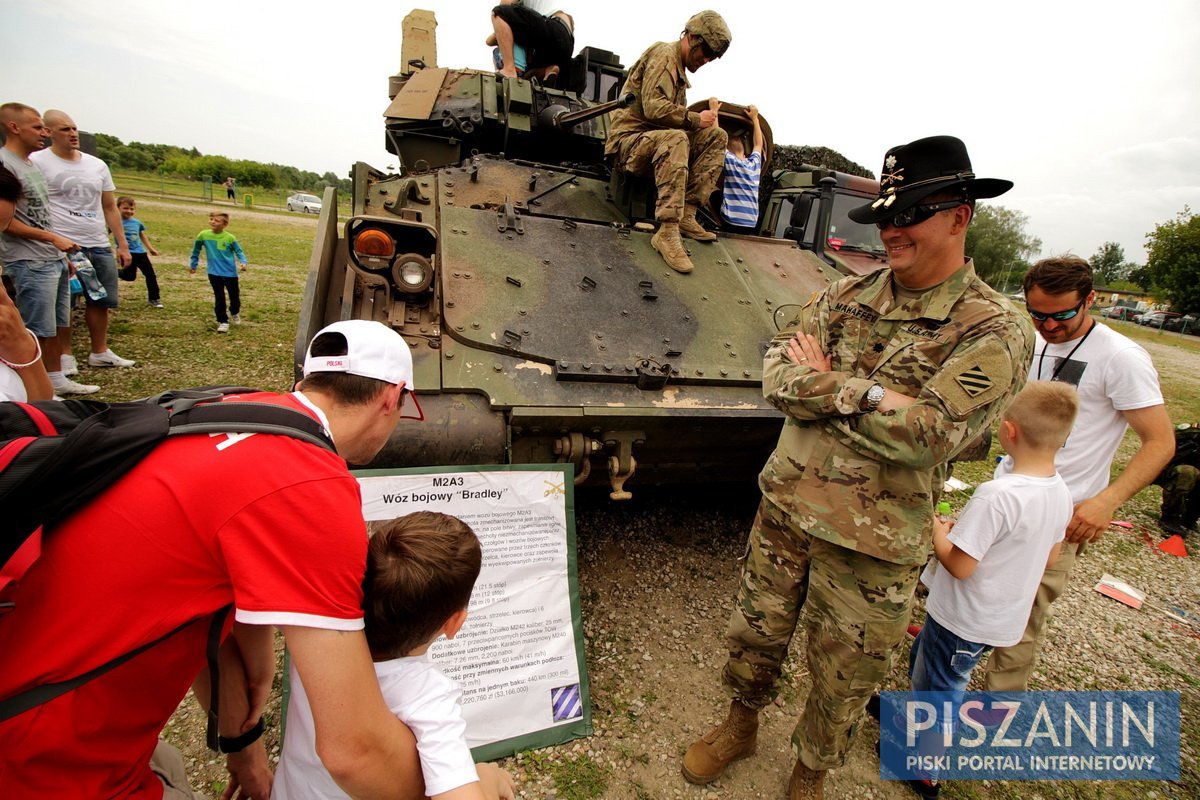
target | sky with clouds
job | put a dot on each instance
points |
(1089, 107)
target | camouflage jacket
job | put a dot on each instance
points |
(659, 80)
(869, 482)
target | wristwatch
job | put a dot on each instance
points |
(236, 744)
(873, 398)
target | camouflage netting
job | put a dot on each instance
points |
(791, 157)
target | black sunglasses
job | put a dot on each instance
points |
(1057, 316)
(918, 214)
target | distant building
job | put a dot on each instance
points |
(1142, 301)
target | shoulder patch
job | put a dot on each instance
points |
(980, 377)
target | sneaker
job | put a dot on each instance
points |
(236, 319)
(108, 359)
(69, 366)
(68, 386)
(223, 327)
(156, 304)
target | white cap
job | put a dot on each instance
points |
(373, 351)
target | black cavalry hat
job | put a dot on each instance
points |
(911, 172)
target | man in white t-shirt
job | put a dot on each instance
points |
(83, 206)
(31, 250)
(1118, 389)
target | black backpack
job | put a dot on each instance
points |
(55, 457)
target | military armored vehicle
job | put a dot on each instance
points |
(543, 326)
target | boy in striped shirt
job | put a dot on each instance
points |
(739, 205)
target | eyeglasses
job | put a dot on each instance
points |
(420, 416)
(1057, 316)
(918, 214)
(706, 51)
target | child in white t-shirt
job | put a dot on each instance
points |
(991, 560)
(421, 569)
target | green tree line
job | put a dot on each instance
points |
(191, 163)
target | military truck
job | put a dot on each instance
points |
(543, 326)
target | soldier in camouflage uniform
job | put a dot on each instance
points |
(883, 379)
(684, 150)
(1180, 482)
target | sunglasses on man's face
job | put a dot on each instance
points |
(917, 214)
(1057, 316)
(408, 394)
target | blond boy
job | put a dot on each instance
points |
(222, 253)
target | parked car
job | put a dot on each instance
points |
(1118, 312)
(1185, 324)
(308, 203)
(1156, 319)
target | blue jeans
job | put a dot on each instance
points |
(105, 262)
(43, 295)
(940, 661)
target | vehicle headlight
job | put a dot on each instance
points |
(412, 272)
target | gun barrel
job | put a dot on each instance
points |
(567, 120)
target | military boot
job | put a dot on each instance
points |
(667, 242)
(806, 784)
(734, 738)
(692, 229)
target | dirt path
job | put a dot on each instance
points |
(276, 217)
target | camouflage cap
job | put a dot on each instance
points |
(711, 28)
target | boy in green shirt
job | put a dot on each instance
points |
(222, 254)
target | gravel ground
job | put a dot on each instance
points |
(657, 577)
(656, 580)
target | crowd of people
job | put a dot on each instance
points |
(58, 210)
(882, 380)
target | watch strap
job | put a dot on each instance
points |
(236, 744)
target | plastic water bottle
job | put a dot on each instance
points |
(87, 275)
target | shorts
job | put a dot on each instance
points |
(105, 262)
(167, 764)
(547, 40)
(43, 295)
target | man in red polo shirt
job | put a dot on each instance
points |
(269, 524)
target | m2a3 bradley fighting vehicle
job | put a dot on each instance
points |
(543, 325)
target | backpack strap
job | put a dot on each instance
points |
(249, 418)
(31, 698)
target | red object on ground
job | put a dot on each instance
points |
(1173, 546)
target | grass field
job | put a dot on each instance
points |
(151, 185)
(178, 345)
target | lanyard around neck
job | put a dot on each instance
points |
(1062, 363)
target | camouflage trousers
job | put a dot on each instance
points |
(685, 164)
(1008, 668)
(857, 610)
(1180, 496)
